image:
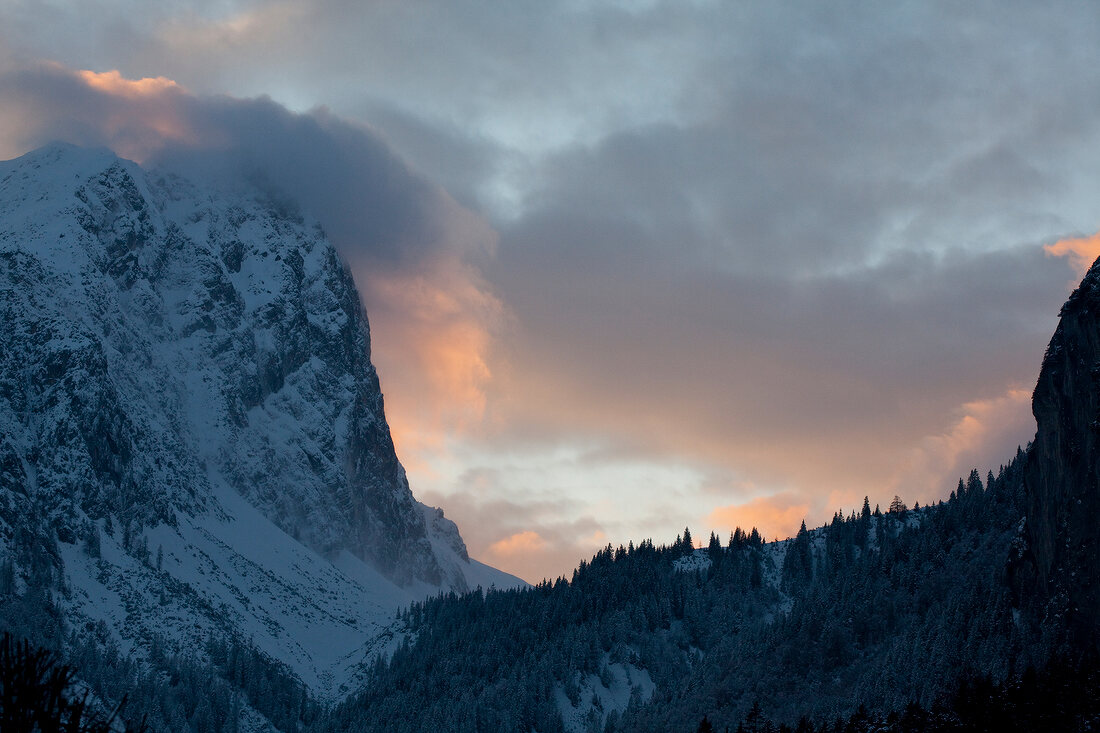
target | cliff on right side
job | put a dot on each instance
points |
(1055, 578)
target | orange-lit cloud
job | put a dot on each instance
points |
(148, 114)
(447, 336)
(1082, 251)
(433, 330)
(112, 82)
(778, 515)
(520, 543)
(976, 439)
(547, 551)
(134, 117)
(596, 538)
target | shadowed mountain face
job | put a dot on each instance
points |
(1057, 573)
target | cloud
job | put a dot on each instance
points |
(524, 542)
(575, 506)
(978, 438)
(818, 383)
(438, 327)
(529, 555)
(982, 434)
(778, 515)
(529, 537)
(1081, 251)
(113, 83)
(45, 102)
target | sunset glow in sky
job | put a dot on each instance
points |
(631, 266)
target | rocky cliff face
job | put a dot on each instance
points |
(1059, 567)
(161, 338)
(192, 437)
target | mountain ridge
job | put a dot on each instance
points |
(184, 369)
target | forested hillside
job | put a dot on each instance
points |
(876, 608)
(947, 617)
(898, 620)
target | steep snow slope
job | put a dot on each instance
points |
(185, 382)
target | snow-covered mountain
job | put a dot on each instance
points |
(187, 404)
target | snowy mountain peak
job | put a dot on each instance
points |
(184, 371)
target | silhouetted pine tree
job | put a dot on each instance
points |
(36, 695)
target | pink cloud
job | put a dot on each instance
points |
(112, 82)
(778, 515)
(975, 439)
(1081, 251)
(519, 543)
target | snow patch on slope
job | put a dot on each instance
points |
(238, 575)
(698, 561)
(597, 696)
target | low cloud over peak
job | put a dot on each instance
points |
(413, 249)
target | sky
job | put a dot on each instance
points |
(636, 266)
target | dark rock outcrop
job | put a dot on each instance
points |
(1056, 576)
